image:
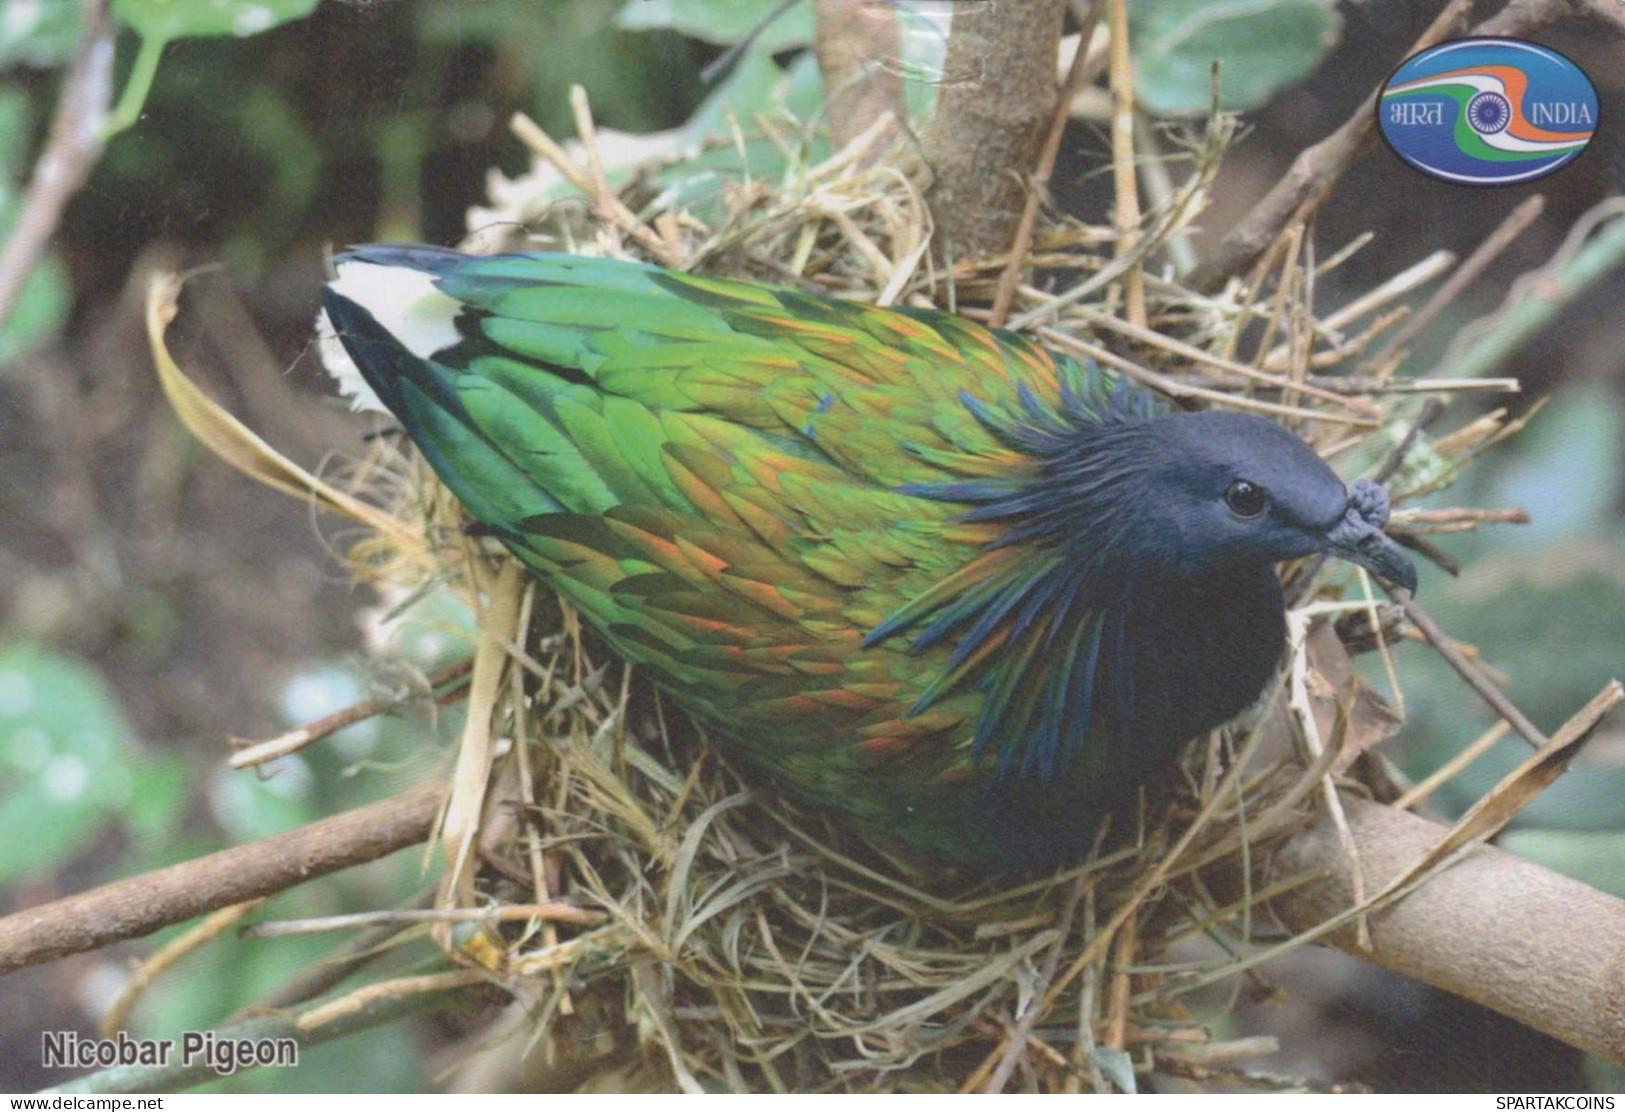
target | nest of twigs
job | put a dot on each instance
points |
(675, 924)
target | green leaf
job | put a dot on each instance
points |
(1567, 468)
(636, 82)
(293, 160)
(724, 21)
(40, 33)
(69, 763)
(16, 130)
(163, 791)
(165, 20)
(41, 309)
(1262, 46)
(750, 87)
(803, 92)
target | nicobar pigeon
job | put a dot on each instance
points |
(962, 589)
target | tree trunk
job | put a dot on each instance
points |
(1509, 934)
(857, 41)
(998, 94)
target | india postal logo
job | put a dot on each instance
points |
(1488, 111)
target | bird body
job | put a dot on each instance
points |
(933, 576)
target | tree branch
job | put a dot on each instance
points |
(994, 108)
(139, 905)
(855, 39)
(1079, 75)
(1546, 950)
(74, 145)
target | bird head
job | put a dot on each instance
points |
(1231, 490)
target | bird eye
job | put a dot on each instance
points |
(1245, 499)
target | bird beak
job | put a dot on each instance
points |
(1358, 537)
(1379, 555)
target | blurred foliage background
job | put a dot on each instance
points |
(152, 604)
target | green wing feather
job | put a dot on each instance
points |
(718, 476)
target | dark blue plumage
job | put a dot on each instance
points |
(1140, 555)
